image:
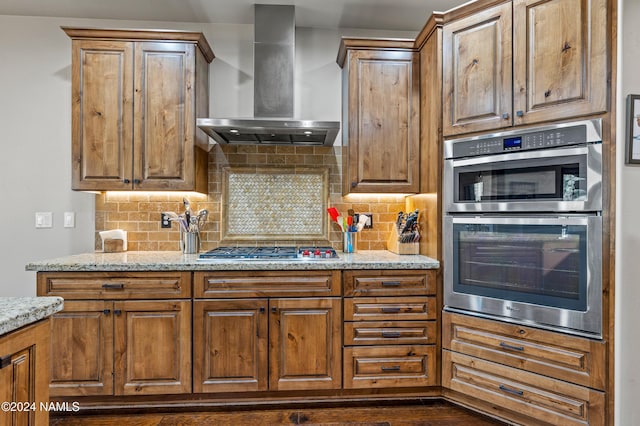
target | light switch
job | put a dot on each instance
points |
(44, 220)
(69, 219)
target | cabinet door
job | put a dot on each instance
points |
(383, 132)
(164, 124)
(152, 347)
(230, 345)
(102, 114)
(477, 77)
(24, 376)
(82, 349)
(559, 59)
(305, 343)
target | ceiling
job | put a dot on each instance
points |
(404, 15)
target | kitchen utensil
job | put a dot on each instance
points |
(362, 220)
(187, 209)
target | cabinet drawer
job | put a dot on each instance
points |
(569, 358)
(115, 285)
(266, 284)
(389, 366)
(390, 333)
(389, 283)
(529, 394)
(389, 308)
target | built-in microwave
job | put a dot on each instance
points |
(556, 168)
(531, 269)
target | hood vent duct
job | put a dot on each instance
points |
(273, 90)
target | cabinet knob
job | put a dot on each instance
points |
(262, 309)
(117, 312)
(520, 113)
(106, 311)
(127, 181)
(136, 181)
(354, 184)
(274, 309)
(505, 116)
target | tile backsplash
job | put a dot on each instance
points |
(139, 213)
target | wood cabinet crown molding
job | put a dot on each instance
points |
(141, 34)
(378, 44)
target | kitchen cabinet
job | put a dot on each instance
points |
(381, 115)
(558, 53)
(390, 329)
(135, 99)
(131, 342)
(535, 373)
(24, 375)
(267, 343)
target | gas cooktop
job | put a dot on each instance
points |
(269, 253)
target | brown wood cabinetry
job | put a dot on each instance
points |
(135, 99)
(535, 373)
(24, 375)
(381, 103)
(558, 53)
(390, 329)
(267, 343)
(139, 346)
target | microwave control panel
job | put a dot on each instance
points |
(521, 141)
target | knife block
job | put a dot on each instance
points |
(395, 246)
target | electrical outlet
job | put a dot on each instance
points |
(164, 221)
(369, 223)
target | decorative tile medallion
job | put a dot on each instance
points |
(275, 203)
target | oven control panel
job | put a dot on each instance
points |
(523, 140)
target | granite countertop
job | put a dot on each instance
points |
(176, 261)
(16, 312)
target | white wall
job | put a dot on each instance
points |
(628, 230)
(35, 123)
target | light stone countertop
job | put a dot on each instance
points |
(16, 312)
(176, 261)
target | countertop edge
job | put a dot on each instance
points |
(17, 312)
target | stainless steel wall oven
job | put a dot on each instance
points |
(523, 226)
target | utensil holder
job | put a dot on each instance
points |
(349, 242)
(190, 242)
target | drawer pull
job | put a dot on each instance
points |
(390, 334)
(392, 368)
(390, 283)
(513, 348)
(115, 286)
(390, 310)
(511, 391)
(5, 361)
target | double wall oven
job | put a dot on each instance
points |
(523, 226)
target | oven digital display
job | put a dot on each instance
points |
(511, 143)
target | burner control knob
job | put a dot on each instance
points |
(317, 253)
(306, 253)
(328, 253)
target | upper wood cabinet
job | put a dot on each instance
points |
(557, 50)
(380, 115)
(135, 99)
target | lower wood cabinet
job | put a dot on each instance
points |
(390, 329)
(24, 374)
(267, 344)
(545, 399)
(551, 377)
(120, 333)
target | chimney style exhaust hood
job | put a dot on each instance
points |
(273, 63)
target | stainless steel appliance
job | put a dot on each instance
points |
(269, 253)
(538, 270)
(553, 168)
(523, 227)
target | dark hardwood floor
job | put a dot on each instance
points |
(428, 414)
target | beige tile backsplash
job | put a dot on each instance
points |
(139, 213)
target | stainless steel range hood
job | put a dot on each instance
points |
(273, 58)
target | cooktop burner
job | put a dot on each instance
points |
(273, 253)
